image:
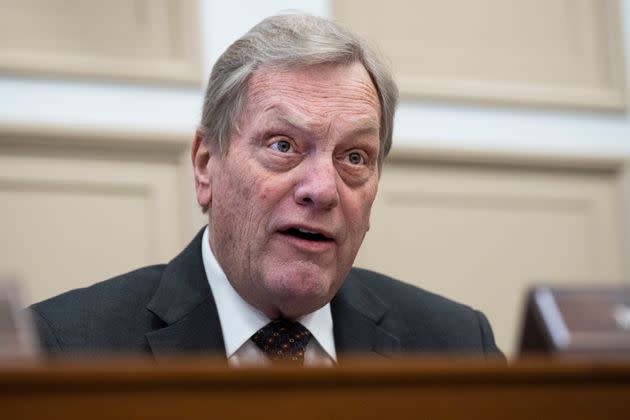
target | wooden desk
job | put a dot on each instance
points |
(404, 389)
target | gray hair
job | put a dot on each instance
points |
(284, 41)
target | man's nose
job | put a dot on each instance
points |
(317, 186)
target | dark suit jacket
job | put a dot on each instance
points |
(166, 309)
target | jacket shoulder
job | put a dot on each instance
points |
(430, 321)
(395, 293)
(109, 315)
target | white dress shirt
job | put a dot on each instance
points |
(239, 321)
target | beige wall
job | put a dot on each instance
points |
(80, 204)
(542, 52)
(117, 39)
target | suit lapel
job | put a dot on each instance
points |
(184, 302)
(359, 322)
(199, 332)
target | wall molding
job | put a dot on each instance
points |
(526, 159)
(47, 140)
(156, 41)
(161, 142)
(555, 53)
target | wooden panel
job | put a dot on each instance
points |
(481, 234)
(411, 389)
(143, 40)
(547, 52)
(77, 211)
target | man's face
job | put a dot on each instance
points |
(289, 204)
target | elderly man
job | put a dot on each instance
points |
(297, 120)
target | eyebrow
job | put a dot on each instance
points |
(366, 128)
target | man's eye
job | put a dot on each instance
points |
(356, 158)
(282, 146)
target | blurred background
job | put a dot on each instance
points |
(509, 166)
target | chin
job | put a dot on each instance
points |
(297, 306)
(301, 290)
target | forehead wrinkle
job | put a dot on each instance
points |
(277, 112)
(354, 88)
(321, 99)
(314, 111)
(315, 100)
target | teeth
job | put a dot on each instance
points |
(307, 231)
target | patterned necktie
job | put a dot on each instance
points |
(283, 340)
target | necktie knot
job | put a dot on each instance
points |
(283, 340)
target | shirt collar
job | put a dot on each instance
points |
(239, 320)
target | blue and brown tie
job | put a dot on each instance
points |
(283, 340)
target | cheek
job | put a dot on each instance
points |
(263, 194)
(359, 220)
(253, 198)
(268, 191)
(241, 190)
(366, 201)
(238, 185)
(232, 206)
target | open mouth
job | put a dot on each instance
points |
(306, 235)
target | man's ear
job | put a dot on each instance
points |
(201, 153)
